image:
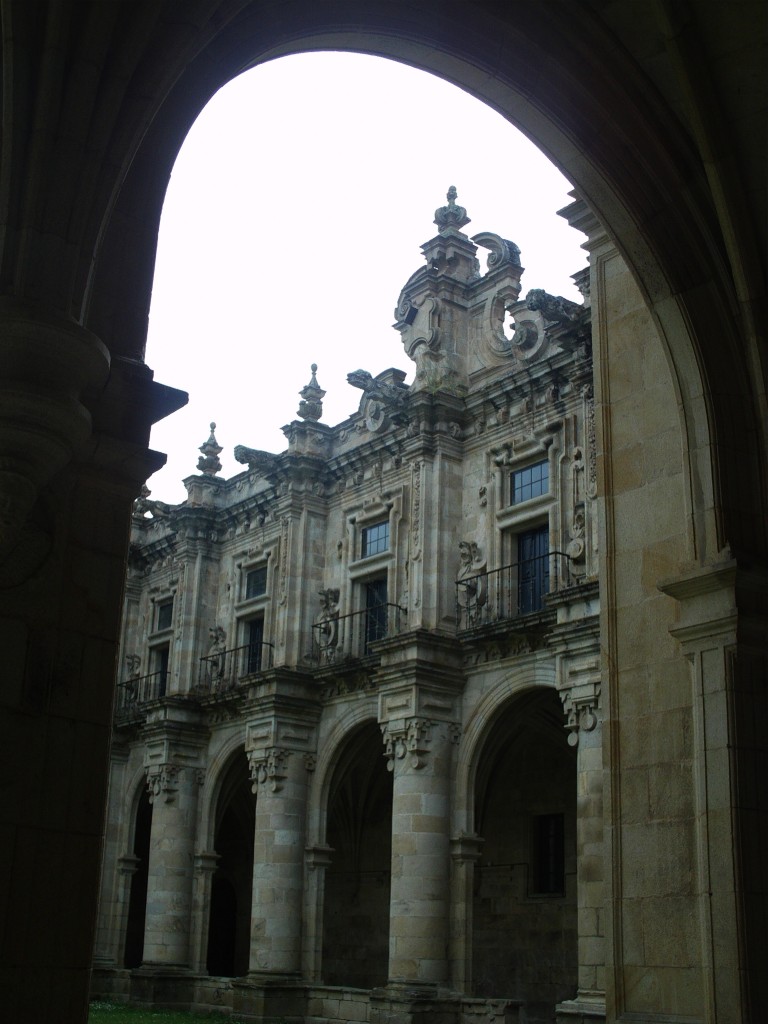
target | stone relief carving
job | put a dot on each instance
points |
(411, 738)
(268, 769)
(326, 626)
(262, 462)
(472, 588)
(163, 781)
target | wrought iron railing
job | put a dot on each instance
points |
(338, 638)
(511, 592)
(223, 670)
(134, 693)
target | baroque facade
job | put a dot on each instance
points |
(357, 752)
(656, 111)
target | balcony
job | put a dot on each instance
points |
(343, 638)
(135, 693)
(513, 592)
(222, 671)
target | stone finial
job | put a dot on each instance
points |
(451, 216)
(311, 405)
(209, 463)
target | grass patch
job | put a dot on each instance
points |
(113, 1013)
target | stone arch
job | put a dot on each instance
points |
(228, 903)
(354, 923)
(670, 262)
(139, 831)
(521, 680)
(360, 713)
(212, 785)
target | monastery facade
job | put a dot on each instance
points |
(357, 763)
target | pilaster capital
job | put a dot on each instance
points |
(268, 768)
(409, 737)
(318, 857)
(205, 862)
(466, 848)
(162, 781)
(579, 686)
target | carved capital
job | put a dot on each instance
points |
(410, 738)
(582, 710)
(163, 781)
(268, 769)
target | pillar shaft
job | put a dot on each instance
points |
(419, 756)
(280, 782)
(171, 866)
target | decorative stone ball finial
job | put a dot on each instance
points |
(452, 215)
(209, 463)
(311, 405)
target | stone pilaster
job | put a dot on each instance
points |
(280, 750)
(721, 631)
(317, 859)
(466, 851)
(173, 763)
(205, 866)
(575, 643)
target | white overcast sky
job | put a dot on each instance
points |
(295, 214)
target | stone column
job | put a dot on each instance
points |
(418, 752)
(173, 793)
(466, 851)
(205, 866)
(317, 859)
(280, 778)
(575, 644)
(584, 722)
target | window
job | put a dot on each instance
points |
(256, 582)
(161, 656)
(532, 569)
(530, 482)
(164, 614)
(254, 639)
(375, 539)
(548, 854)
(375, 612)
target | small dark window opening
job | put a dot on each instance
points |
(255, 645)
(549, 854)
(375, 539)
(165, 614)
(256, 582)
(531, 482)
(375, 612)
(162, 657)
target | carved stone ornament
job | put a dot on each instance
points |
(452, 215)
(410, 738)
(581, 713)
(209, 463)
(268, 769)
(311, 405)
(164, 782)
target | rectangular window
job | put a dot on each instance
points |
(532, 569)
(254, 638)
(548, 854)
(375, 612)
(161, 657)
(256, 582)
(375, 539)
(164, 614)
(530, 482)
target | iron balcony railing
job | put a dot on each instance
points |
(338, 638)
(134, 693)
(511, 592)
(223, 670)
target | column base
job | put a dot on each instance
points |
(414, 1003)
(164, 986)
(586, 1008)
(269, 998)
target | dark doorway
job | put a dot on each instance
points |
(230, 917)
(137, 903)
(524, 942)
(357, 883)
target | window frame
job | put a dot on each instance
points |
(520, 472)
(366, 533)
